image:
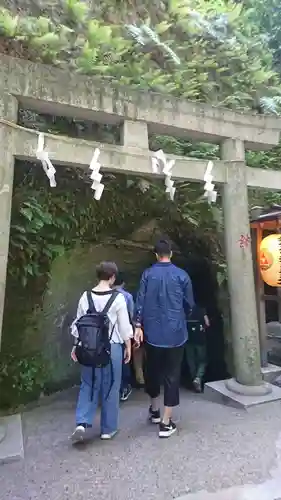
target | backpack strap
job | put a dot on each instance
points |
(91, 304)
(112, 378)
(110, 302)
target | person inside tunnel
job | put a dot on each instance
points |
(205, 288)
(195, 351)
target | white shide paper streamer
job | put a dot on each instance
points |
(161, 165)
(43, 156)
(209, 191)
(95, 176)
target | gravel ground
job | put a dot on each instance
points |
(216, 447)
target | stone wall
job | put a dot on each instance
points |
(36, 346)
(72, 274)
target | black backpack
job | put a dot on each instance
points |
(196, 326)
(93, 346)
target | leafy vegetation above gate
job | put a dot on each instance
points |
(202, 50)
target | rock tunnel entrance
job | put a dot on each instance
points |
(45, 286)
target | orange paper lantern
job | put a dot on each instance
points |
(270, 260)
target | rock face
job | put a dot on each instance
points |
(71, 275)
(45, 310)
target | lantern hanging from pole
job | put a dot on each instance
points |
(270, 260)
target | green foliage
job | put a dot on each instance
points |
(21, 379)
(46, 222)
(205, 51)
(77, 11)
(33, 237)
(271, 104)
(267, 16)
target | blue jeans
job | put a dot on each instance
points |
(86, 409)
(126, 374)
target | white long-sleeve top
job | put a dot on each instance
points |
(118, 315)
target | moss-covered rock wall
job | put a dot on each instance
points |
(35, 355)
(71, 274)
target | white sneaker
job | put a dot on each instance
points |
(79, 434)
(108, 436)
(197, 384)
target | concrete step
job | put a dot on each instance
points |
(11, 444)
(217, 392)
(271, 373)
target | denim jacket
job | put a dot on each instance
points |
(164, 301)
(129, 301)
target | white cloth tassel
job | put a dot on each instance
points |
(96, 167)
(208, 171)
(160, 155)
(160, 164)
(40, 143)
(99, 191)
(209, 186)
(95, 176)
(95, 185)
(94, 161)
(169, 183)
(47, 165)
(168, 167)
(213, 197)
(155, 167)
(172, 193)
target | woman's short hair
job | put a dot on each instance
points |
(106, 270)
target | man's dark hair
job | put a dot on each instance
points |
(120, 279)
(105, 271)
(163, 248)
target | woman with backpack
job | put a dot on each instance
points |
(101, 328)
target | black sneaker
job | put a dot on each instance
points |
(154, 416)
(126, 393)
(166, 430)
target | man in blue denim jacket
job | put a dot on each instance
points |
(164, 301)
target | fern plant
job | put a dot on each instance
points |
(146, 36)
(200, 50)
(271, 104)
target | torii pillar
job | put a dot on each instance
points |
(248, 379)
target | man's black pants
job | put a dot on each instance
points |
(163, 365)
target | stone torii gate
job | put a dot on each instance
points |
(49, 90)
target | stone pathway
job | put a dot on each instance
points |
(218, 449)
(268, 490)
